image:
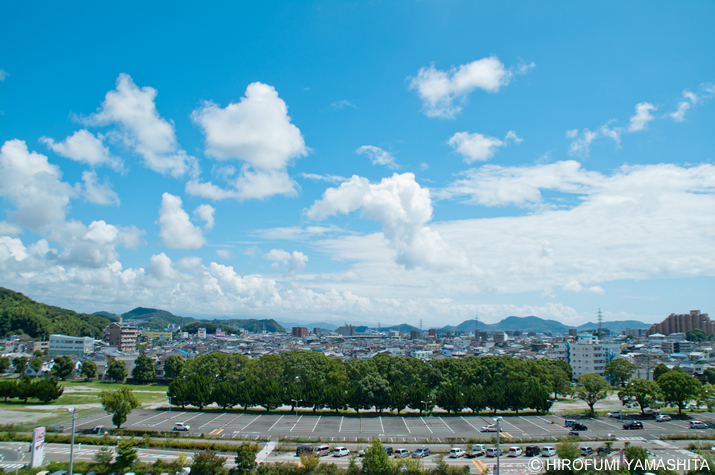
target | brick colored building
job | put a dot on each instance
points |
(684, 323)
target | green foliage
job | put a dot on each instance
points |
(36, 364)
(19, 314)
(696, 335)
(119, 403)
(117, 370)
(47, 390)
(246, 457)
(20, 364)
(659, 371)
(568, 450)
(63, 367)
(594, 389)
(634, 453)
(376, 459)
(144, 371)
(173, 365)
(679, 387)
(103, 457)
(619, 371)
(126, 454)
(643, 392)
(710, 374)
(4, 364)
(207, 462)
(89, 370)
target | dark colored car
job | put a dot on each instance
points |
(603, 450)
(633, 425)
(532, 450)
(421, 452)
(578, 427)
(303, 450)
(389, 450)
(573, 432)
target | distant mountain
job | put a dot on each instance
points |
(20, 314)
(111, 316)
(160, 320)
(309, 326)
(539, 325)
(402, 327)
(154, 318)
(616, 327)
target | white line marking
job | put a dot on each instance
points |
(408, 427)
(296, 423)
(316, 424)
(446, 425)
(341, 423)
(209, 422)
(254, 420)
(165, 420)
(274, 424)
(470, 424)
(537, 425)
(381, 426)
(423, 421)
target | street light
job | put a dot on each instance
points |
(19, 458)
(498, 421)
(74, 415)
(425, 403)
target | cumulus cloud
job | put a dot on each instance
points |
(575, 286)
(258, 131)
(480, 147)
(9, 229)
(442, 92)
(99, 193)
(205, 213)
(84, 147)
(402, 207)
(690, 99)
(378, 156)
(642, 116)
(133, 111)
(177, 230)
(33, 186)
(296, 261)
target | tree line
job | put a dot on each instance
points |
(24, 388)
(383, 383)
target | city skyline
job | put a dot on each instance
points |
(390, 162)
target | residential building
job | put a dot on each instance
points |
(684, 323)
(347, 330)
(60, 345)
(588, 354)
(40, 345)
(122, 336)
(300, 332)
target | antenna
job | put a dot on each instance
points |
(476, 327)
(600, 321)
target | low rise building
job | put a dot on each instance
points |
(60, 345)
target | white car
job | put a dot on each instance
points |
(456, 452)
(698, 425)
(490, 428)
(181, 426)
(515, 452)
(615, 415)
(548, 451)
(341, 452)
(662, 418)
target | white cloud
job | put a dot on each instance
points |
(3, 74)
(480, 147)
(177, 231)
(378, 156)
(642, 116)
(296, 233)
(92, 246)
(691, 99)
(258, 131)
(84, 147)
(581, 145)
(206, 214)
(33, 186)
(224, 253)
(142, 128)
(442, 91)
(328, 178)
(424, 166)
(295, 261)
(343, 104)
(161, 268)
(9, 229)
(403, 208)
(98, 193)
(575, 286)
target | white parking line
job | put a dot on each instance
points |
(97, 419)
(341, 423)
(537, 425)
(254, 420)
(608, 424)
(504, 421)
(316, 424)
(381, 426)
(446, 425)
(423, 421)
(296, 423)
(470, 424)
(209, 422)
(274, 424)
(408, 427)
(165, 420)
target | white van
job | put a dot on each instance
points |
(515, 451)
(492, 452)
(456, 452)
(401, 453)
(548, 451)
(321, 450)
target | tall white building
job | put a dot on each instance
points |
(587, 354)
(61, 345)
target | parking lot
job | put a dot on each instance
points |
(389, 428)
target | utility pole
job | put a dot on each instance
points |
(74, 413)
(498, 419)
(476, 328)
(600, 321)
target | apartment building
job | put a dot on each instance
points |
(122, 336)
(587, 354)
(60, 345)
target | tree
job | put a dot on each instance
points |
(144, 371)
(659, 371)
(38, 354)
(36, 365)
(173, 365)
(89, 370)
(568, 450)
(641, 391)
(636, 456)
(207, 462)
(63, 367)
(679, 388)
(707, 397)
(594, 389)
(696, 335)
(619, 371)
(710, 374)
(178, 392)
(4, 364)
(103, 457)
(119, 403)
(20, 364)
(8, 389)
(126, 454)
(246, 457)
(23, 390)
(376, 459)
(47, 390)
(117, 370)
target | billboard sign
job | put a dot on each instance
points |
(172, 327)
(220, 332)
(38, 447)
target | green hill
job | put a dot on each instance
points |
(154, 318)
(20, 314)
(251, 325)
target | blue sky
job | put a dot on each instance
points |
(360, 161)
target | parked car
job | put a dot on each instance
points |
(491, 428)
(515, 452)
(303, 450)
(698, 425)
(633, 425)
(456, 452)
(574, 433)
(388, 449)
(492, 452)
(603, 450)
(182, 426)
(321, 450)
(578, 427)
(615, 415)
(569, 422)
(421, 453)
(532, 450)
(400, 453)
(341, 452)
(477, 450)
(586, 451)
(662, 418)
(548, 451)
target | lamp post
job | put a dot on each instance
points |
(295, 407)
(168, 399)
(74, 414)
(498, 420)
(19, 458)
(425, 403)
